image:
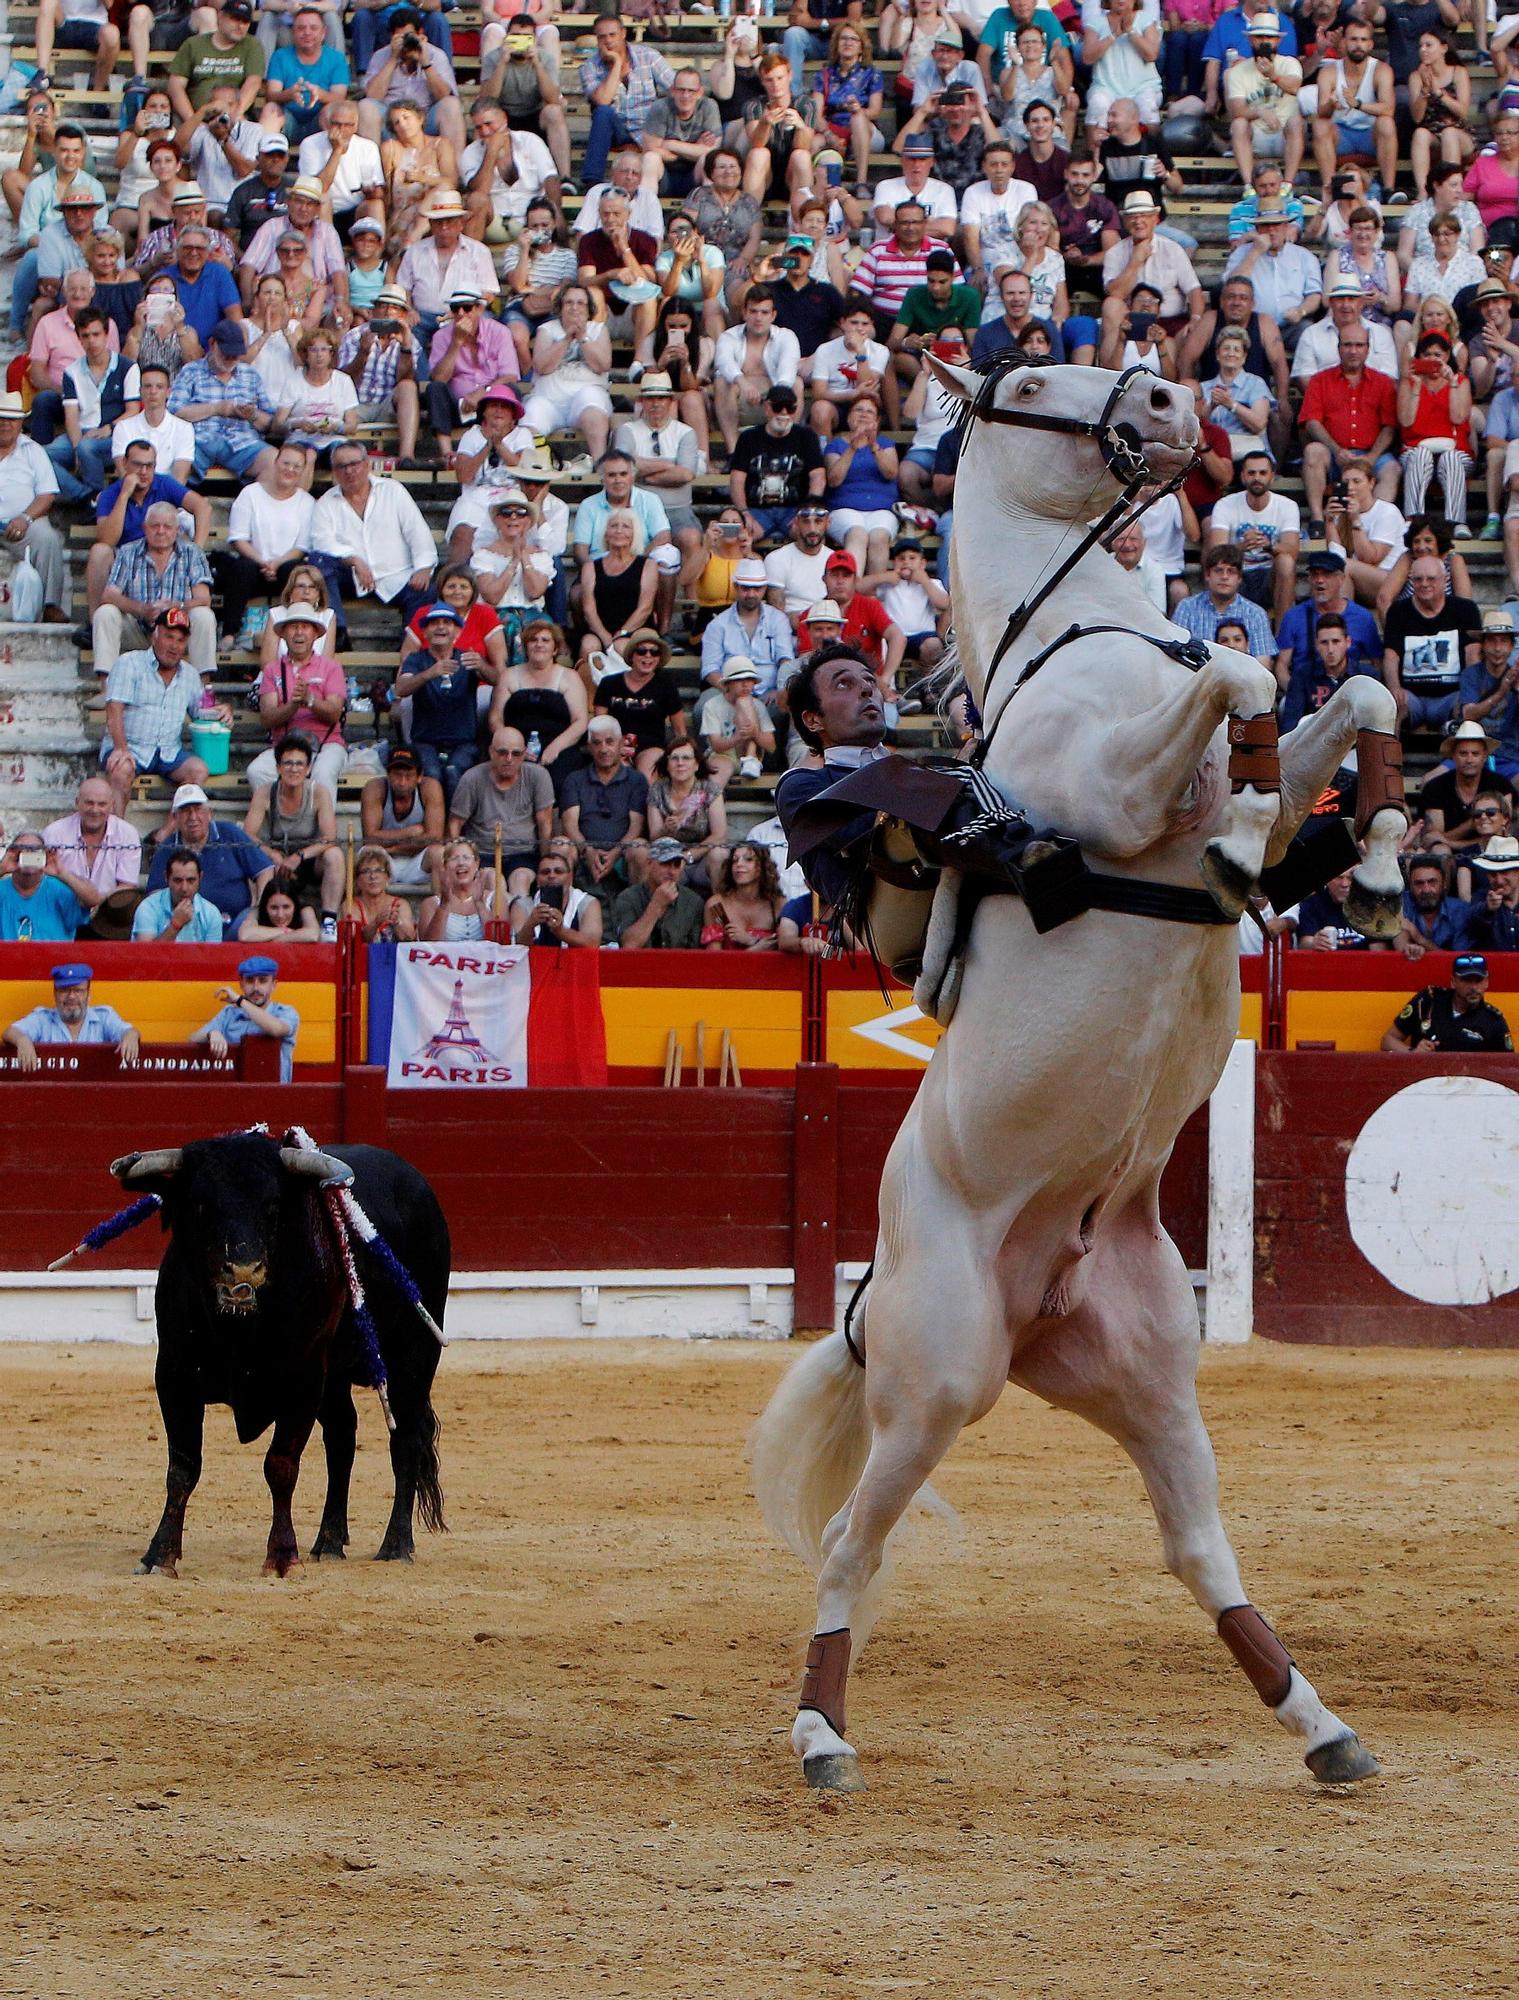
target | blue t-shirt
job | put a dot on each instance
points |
(442, 710)
(235, 1025)
(863, 487)
(1297, 630)
(329, 70)
(162, 488)
(229, 865)
(207, 300)
(1229, 37)
(52, 914)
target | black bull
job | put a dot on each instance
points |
(253, 1311)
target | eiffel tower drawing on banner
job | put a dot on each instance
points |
(456, 1038)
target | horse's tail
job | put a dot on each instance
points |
(808, 1449)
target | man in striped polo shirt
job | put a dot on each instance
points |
(891, 267)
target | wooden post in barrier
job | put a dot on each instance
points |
(349, 869)
(496, 889)
(701, 1055)
(815, 1199)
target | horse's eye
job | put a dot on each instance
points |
(1028, 390)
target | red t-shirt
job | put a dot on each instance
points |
(866, 624)
(1352, 412)
(479, 624)
(1200, 490)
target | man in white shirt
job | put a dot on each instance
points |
(917, 182)
(1260, 95)
(28, 490)
(368, 538)
(665, 454)
(644, 211)
(222, 148)
(489, 194)
(989, 212)
(794, 571)
(443, 261)
(345, 164)
(1266, 528)
(749, 360)
(1129, 552)
(268, 533)
(1319, 346)
(172, 439)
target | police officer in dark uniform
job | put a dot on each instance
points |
(1451, 1020)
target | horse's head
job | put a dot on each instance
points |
(1099, 418)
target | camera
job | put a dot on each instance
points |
(159, 122)
(519, 45)
(1339, 187)
(411, 45)
(1427, 364)
(551, 895)
(384, 326)
(790, 262)
(729, 530)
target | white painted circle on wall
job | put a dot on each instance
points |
(1430, 1190)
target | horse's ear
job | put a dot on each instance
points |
(962, 383)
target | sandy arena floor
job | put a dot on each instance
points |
(550, 1759)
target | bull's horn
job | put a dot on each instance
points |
(320, 1166)
(147, 1166)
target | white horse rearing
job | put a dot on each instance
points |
(1020, 1236)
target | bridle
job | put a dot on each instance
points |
(1123, 456)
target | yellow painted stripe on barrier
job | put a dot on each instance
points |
(766, 1025)
(867, 1032)
(1358, 1020)
(169, 1010)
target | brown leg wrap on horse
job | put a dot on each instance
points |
(1253, 755)
(1379, 777)
(1266, 1661)
(827, 1672)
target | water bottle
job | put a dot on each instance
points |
(353, 690)
(724, 9)
(534, 747)
(359, 704)
(207, 704)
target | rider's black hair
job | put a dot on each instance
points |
(802, 693)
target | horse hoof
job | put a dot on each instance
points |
(282, 1566)
(386, 1554)
(328, 1551)
(1227, 882)
(1342, 1762)
(833, 1771)
(146, 1568)
(1375, 916)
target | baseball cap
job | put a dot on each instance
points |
(72, 975)
(432, 612)
(842, 559)
(228, 336)
(175, 616)
(916, 146)
(189, 795)
(240, 10)
(1326, 559)
(275, 142)
(361, 225)
(750, 573)
(739, 667)
(825, 612)
(258, 967)
(403, 756)
(948, 38)
(666, 849)
(1469, 965)
(781, 396)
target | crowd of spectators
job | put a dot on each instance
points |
(312, 262)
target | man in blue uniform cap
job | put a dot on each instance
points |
(71, 1019)
(252, 1010)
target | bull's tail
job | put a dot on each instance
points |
(422, 1452)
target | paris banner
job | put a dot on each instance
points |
(485, 1017)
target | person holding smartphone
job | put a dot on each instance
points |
(556, 915)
